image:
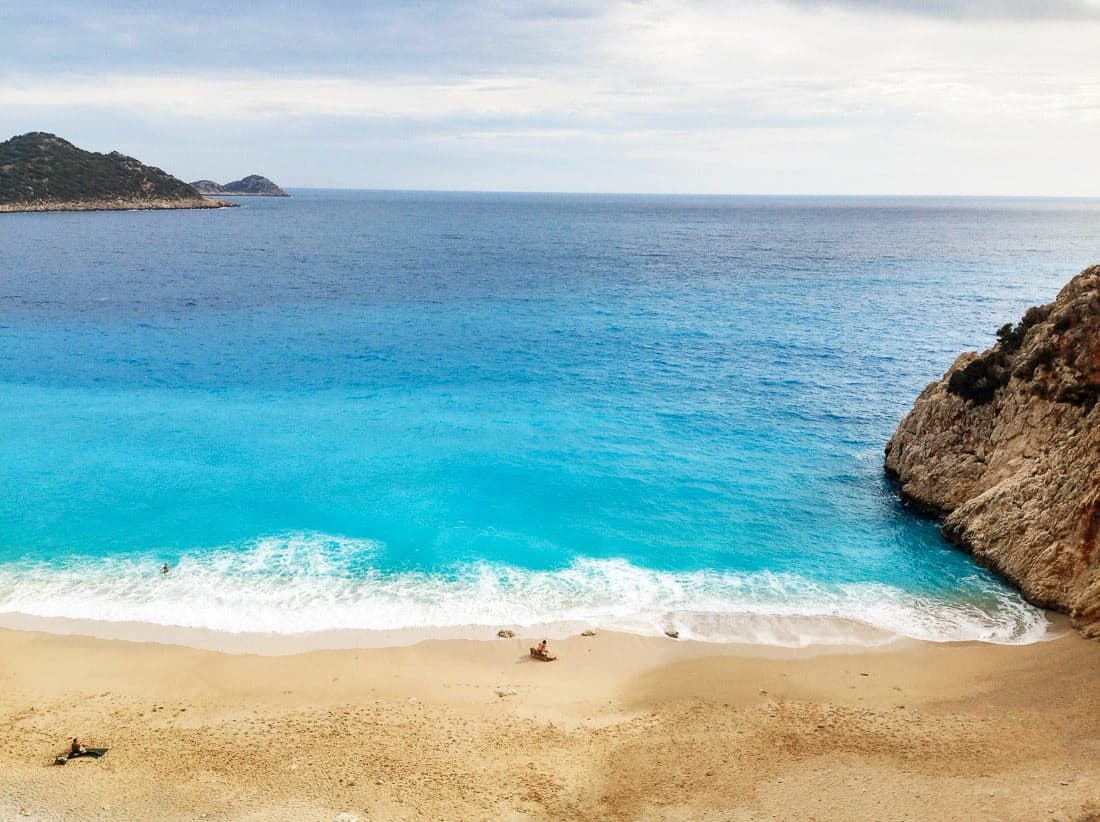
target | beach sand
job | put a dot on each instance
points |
(621, 727)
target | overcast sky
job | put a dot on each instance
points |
(742, 96)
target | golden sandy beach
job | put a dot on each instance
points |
(621, 727)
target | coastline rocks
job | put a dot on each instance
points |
(1006, 448)
(206, 186)
(121, 204)
(504, 633)
(252, 186)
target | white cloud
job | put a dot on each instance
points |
(664, 91)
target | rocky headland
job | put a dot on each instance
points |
(1006, 448)
(251, 186)
(42, 172)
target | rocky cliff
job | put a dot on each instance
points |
(252, 185)
(1006, 447)
(42, 172)
(206, 187)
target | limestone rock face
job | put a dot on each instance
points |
(1006, 447)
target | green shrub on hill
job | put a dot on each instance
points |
(43, 168)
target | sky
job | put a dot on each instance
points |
(697, 96)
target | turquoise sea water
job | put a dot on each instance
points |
(415, 410)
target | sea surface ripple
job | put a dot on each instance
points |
(392, 410)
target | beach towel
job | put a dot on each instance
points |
(94, 753)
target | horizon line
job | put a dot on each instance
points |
(688, 193)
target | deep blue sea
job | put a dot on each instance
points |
(382, 410)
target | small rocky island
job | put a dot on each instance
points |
(251, 186)
(1006, 447)
(42, 172)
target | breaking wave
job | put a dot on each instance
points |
(301, 584)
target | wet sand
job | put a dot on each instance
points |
(621, 727)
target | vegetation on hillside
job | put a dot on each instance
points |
(43, 168)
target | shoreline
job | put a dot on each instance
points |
(114, 205)
(788, 632)
(842, 634)
(621, 726)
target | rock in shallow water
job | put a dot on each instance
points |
(1006, 447)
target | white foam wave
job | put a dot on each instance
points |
(307, 583)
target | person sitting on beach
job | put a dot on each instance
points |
(76, 749)
(542, 653)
